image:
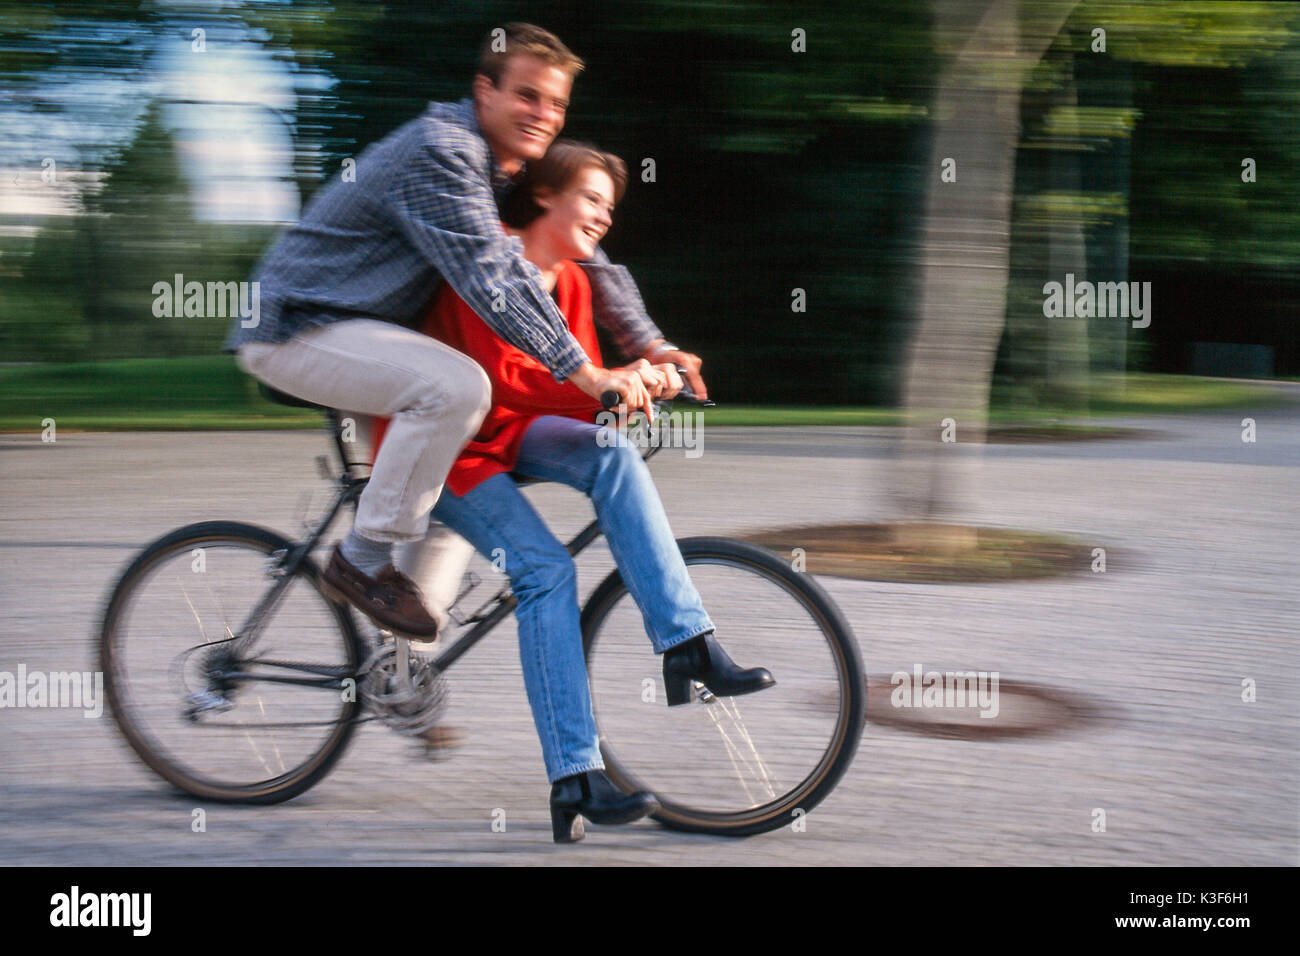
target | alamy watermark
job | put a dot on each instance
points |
(212, 300)
(674, 429)
(946, 689)
(54, 689)
(1084, 299)
(130, 910)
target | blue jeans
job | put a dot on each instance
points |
(495, 514)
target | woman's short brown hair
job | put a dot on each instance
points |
(555, 172)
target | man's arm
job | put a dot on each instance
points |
(616, 305)
(447, 210)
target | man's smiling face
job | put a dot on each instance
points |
(522, 114)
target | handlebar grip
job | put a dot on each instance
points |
(610, 399)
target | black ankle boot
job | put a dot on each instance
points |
(593, 796)
(703, 659)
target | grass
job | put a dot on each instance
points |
(1146, 394)
(210, 392)
(203, 392)
(800, 415)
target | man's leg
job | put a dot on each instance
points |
(435, 396)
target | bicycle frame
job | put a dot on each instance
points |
(350, 487)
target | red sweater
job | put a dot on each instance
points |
(522, 387)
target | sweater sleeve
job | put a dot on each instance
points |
(448, 213)
(519, 382)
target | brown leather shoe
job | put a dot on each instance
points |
(390, 598)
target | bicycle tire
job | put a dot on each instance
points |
(850, 716)
(117, 683)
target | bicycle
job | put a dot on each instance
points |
(726, 766)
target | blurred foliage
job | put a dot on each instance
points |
(86, 289)
(1183, 93)
(775, 169)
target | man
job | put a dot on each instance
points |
(369, 254)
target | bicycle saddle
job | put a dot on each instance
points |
(284, 398)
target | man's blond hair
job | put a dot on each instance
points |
(527, 39)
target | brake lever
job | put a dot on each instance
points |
(687, 395)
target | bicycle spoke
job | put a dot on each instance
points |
(225, 618)
(719, 764)
(257, 752)
(203, 634)
(261, 706)
(754, 765)
(733, 753)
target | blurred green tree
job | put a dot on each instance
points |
(997, 53)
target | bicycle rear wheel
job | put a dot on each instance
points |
(741, 765)
(219, 713)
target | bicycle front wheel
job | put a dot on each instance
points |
(229, 686)
(741, 765)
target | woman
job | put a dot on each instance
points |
(543, 428)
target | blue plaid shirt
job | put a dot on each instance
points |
(421, 211)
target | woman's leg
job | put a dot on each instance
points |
(614, 476)
(501, 524)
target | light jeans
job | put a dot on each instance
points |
(435, 396)
(495, 514)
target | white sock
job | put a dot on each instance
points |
(365, 555)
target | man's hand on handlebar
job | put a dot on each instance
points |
(656, 353)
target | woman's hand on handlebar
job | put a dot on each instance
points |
(661, 381)
(627, 382)
(672, 381)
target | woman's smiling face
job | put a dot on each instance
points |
(577, 219)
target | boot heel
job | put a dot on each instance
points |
(677, 689)
(566, 826)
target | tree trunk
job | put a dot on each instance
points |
(1067, 336)
(965, 244)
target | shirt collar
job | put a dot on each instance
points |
(501, 181)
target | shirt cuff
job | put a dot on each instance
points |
(568, 361)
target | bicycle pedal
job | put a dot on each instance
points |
(440, 738)
(204, 702)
